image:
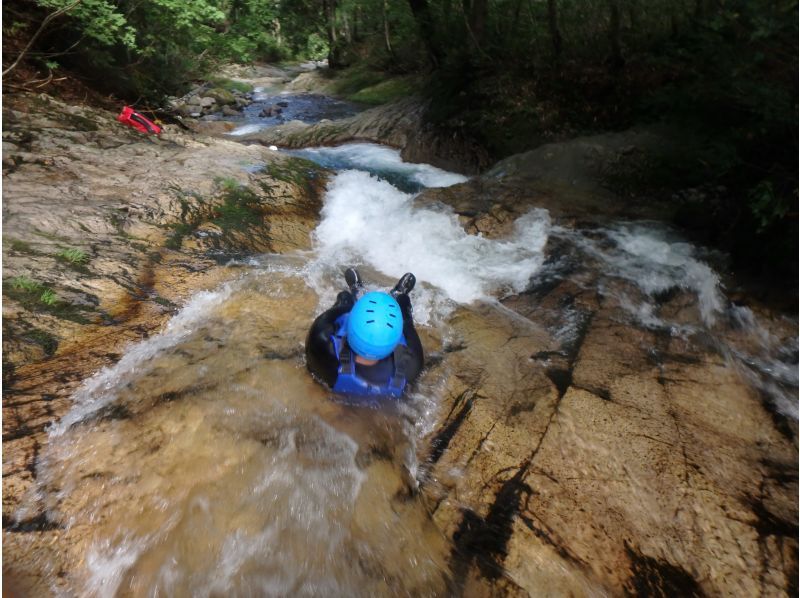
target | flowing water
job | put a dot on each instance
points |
(207, 462)
(283, 106)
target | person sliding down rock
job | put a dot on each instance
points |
(366, 347)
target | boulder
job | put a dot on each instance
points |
(270, 111)
(398, 124)
(222, 96)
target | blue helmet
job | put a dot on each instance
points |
(375, 325)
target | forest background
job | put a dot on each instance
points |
(720, 75)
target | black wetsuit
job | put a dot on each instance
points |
(321, 354)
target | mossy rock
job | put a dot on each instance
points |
(222, 96)
(386, 91)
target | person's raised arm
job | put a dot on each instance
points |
(417, 358)
(321, 357)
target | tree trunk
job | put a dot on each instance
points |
(329, 7)
(552, 25)
(515, 18)
(633, 16)
(348, 36)
(386, 36)
(427, 30)
(699, 9)
(478, 17)
(614, 36)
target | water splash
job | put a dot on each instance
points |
(247, 129)
(367, 220)
(99, 390)
(767, 362)
(656, 261)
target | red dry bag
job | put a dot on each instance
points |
(130, 117)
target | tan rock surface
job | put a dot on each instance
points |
(131, 205)
(598, 469)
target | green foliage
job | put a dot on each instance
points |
(301, 20)
(148, 49)
(23, 283)
(48, 297)
(16, 27)
(766, 206)
(73, 256)
(316, 47)
(25, 286)
(35, 296)
(99, 20)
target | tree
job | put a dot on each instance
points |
(427, 29)
(552, 25)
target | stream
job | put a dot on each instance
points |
(208, 462)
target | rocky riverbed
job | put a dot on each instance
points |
(587, 434)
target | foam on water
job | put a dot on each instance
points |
(648, 256)
(771, 365)
(367, 220)
(383, 161)
(284, 528)
(246, 129)
(655, 260)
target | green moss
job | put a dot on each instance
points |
(227, 183)
(165, 302)
(231, 85)
(355, 79)
(44, 339)
(240, 208)
(179, 230)
(193, 207)
(296, 171)
(22, 247)
(386, 91)
(223, 96)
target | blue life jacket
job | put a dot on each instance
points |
(349, 382)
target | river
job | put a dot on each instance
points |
(207, 462)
